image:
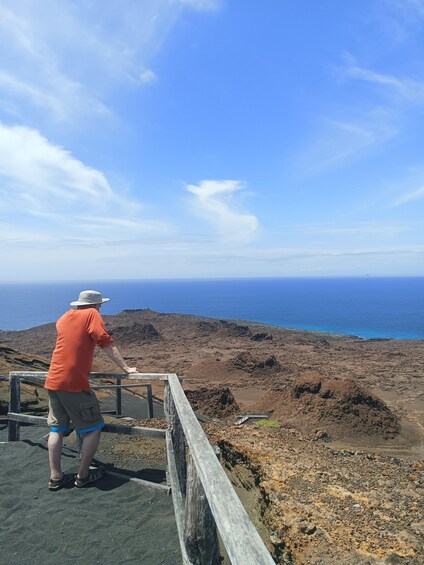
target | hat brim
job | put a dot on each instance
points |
(79, 303)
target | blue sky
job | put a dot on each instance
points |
(211, 138)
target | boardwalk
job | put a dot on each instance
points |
(112, 521)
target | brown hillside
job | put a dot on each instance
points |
(333, 408)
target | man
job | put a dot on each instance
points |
(79, 330)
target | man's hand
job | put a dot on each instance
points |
(131, 370)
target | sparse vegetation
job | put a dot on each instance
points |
(267, 423)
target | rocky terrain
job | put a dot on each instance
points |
(339, 478)
(326, 409)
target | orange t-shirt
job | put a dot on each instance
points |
(78, 332)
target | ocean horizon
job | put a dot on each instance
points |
(367, 307)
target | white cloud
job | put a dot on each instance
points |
(63, 101)
(404, 88)
(415, 195)
(148, 77)
(407, 187)
(368, 122)
(342, 141)
(213, 201)
(65, 60)
(31, 165)
(201, 5)
(406, 12)
(399, 19)
(46, 187)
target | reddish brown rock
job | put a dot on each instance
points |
(245, 361)
(217, 402)
(338, 408)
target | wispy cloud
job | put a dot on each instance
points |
(410, 196)
(201, 5)
(148, 77)
(407, 13)
(407, 187)
(402, 88)
(33, 59)
(66, 59)
(341, 141)
(45, 186)
(31, 165)
(368, 122)
(214, 201)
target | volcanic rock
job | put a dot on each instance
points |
(245, 361)
(231, 329)
(206, 328)
(261, 336)
(135, 332)
(21, 361)
(215, 402)
(331, 408)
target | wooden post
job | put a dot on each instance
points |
(118, 397)
(149, 401)
(200, 534)
(177, 437)
(14, 406)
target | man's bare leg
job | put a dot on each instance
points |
(90, 443)
(55, 443)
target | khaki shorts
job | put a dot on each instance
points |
(80, 408)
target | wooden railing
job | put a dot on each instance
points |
(205, 502)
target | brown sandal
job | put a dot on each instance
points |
(93, 475)
(57, 484)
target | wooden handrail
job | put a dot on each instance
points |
(203, 501)
(98, 375)
(240, 537)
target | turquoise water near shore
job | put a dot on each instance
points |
(369, 307)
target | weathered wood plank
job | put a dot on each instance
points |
(13, 432)
(133, 376)
(154, 433)
(177, 436)
(177, 496)
(134, 431)
(200, 535)
(97, 375)
(118, 398)
(27, 418)
(240, 538)
(120, 386)
(149, 401)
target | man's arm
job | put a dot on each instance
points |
(114, 354)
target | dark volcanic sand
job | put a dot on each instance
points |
(112, 521)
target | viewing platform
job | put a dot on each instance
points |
(122, 518)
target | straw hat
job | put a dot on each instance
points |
(89, 297)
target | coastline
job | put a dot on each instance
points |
(386, 307)
(355, 334)
(305, 492)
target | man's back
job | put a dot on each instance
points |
(78, 332)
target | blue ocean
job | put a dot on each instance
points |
(368, 307)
